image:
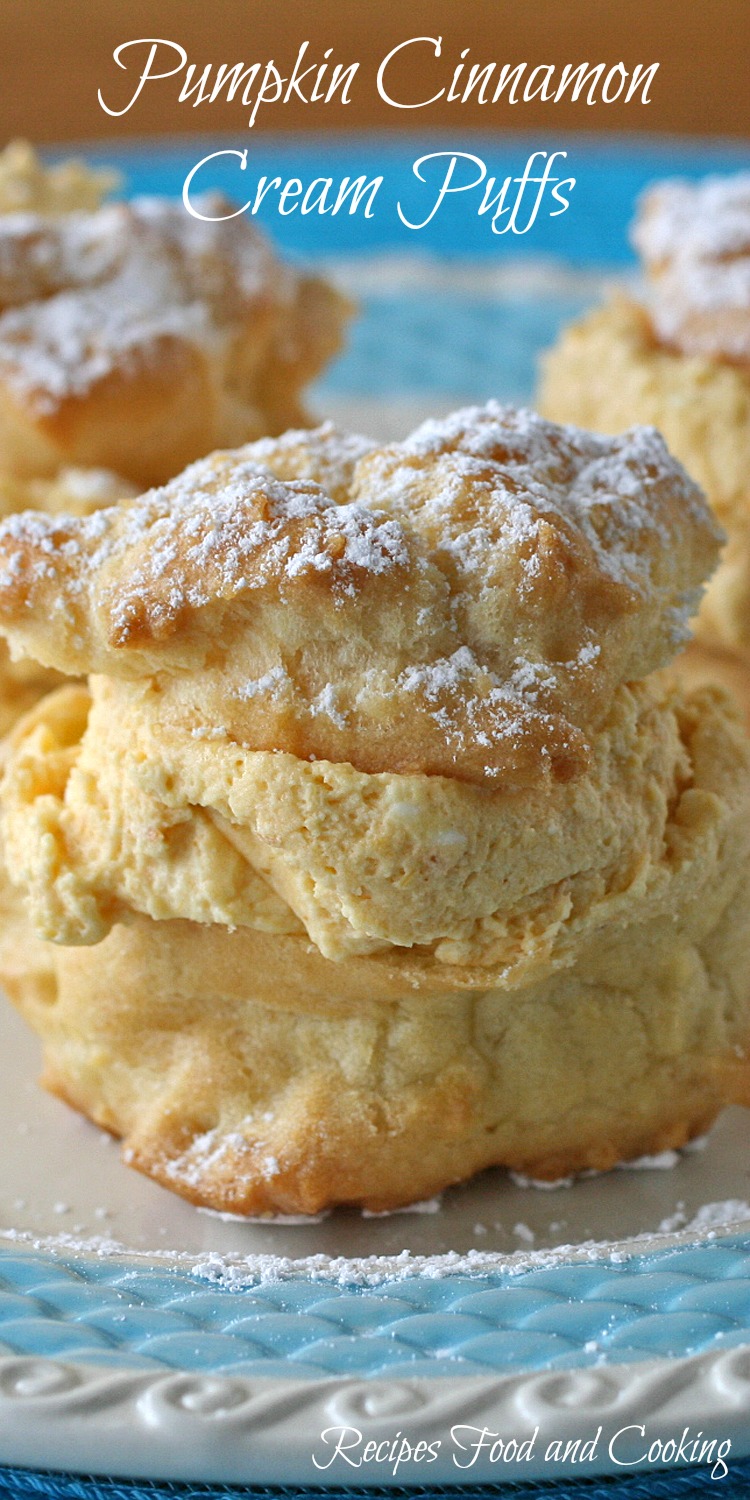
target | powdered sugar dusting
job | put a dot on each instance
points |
(222, 527)
(709, 219)
(470, 704)
(539, 567)
(695, 240)
(530, 469)
(212, 1149)
(235, 1272)
(87, 294)
(662, 1161)
(708, 1219)
(326, 455)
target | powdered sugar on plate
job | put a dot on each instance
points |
(236, 1272)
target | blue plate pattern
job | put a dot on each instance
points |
(112, 1312)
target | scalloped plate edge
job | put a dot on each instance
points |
(185, 1426)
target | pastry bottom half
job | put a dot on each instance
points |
(251, 1075)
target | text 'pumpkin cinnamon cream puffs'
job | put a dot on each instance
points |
(677, 355)
(378, 849)
(136, 337)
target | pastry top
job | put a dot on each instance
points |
(465, 603)
(694, 239)
(86, 293)
(136, 336)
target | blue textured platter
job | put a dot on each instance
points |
(138, 1336)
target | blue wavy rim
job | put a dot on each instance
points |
(111, 1311)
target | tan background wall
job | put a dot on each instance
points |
(54, 54)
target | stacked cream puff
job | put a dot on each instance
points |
(676, 353)
(134, 338)
(379, 848)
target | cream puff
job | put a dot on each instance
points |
(135, 337)
(380, 848)
(677, 355)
